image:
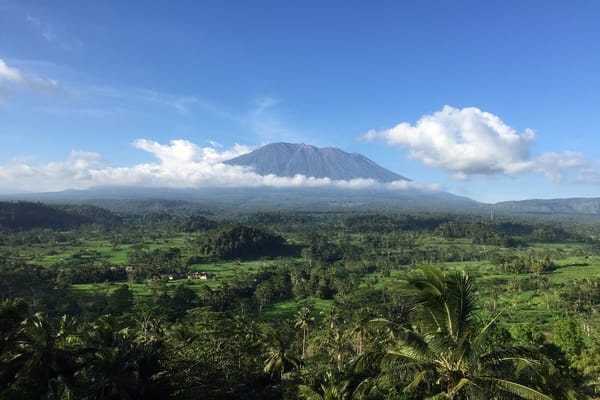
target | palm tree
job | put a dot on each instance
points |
(12, 313)
(111, 370)
(149, 327)
(328, 391)
(337, 344)
(41, 355)
(279, 358)
(113, 374)
(446, 351)
(303, 321)
(336, 387)
(359, 328)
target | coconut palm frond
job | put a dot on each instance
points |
(462, 301)
(417, 380)
(366, 360)
(457, 388)
(515, 355)
(410, 354)
(515, 388)
(308, 393)
(483, 333)
(444, 353)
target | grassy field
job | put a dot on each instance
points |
(92, 250)
(289, 308)
(222, 272)
(519, 297)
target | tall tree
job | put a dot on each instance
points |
(444, 355)
(41, 357)
(303, 321)
(279, 357)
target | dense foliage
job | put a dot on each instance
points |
(25, 215)
(283, 305)
(240, 241)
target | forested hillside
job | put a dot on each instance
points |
(27, 215)
(582, 206)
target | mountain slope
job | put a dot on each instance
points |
(288, 159)
(587, 206)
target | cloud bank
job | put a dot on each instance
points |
(179, 164)
(469, 142)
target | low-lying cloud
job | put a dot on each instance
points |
(179, 164)
(469, 142)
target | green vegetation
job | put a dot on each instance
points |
(166, 304)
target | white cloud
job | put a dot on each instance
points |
(16, 77)
(180, 164)
(555, 165)
(185, 153)
(469, 142)
(589, 175)
(10, 74)
(77, 171)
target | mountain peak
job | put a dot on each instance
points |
(290, 159)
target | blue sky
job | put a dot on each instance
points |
(493, 100)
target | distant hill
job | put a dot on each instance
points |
(212, 201)
(585, 206)
(243, 200)
(28, 215)
(288, 159)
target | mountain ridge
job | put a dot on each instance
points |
(291, 159)
(570, 205)
(250, 199)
